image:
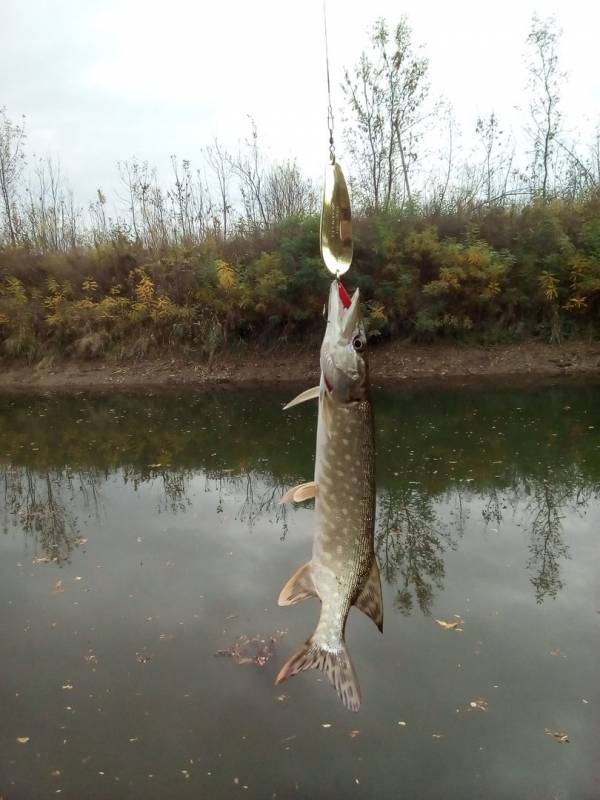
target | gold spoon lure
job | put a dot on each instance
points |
(336, 213)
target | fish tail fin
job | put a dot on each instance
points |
(336, 664)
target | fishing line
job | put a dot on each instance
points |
(329, 107)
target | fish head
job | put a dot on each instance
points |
(343, 351)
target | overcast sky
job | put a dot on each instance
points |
(103, 80)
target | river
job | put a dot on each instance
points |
(142, 550)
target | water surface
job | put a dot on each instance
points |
(141, 535)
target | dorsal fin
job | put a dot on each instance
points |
(299, 587)
(369, 600)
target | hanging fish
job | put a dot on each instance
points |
(343, 570)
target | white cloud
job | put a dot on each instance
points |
(106, 79)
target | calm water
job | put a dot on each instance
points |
(141, 535)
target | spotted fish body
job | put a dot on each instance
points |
(343, 570)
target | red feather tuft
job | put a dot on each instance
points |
(344, 296)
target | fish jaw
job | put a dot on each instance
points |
(343, 356)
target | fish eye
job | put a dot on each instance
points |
(357, 343)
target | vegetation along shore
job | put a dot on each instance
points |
(489, 265)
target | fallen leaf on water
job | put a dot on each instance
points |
(58, 587)
(560, 736)
(479, 703)
(142, 658)
(256, 649)
(557, 652)
(22, 739)
(449, 626)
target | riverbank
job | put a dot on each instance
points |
(393, 361)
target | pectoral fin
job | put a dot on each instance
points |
(370, 601)
(304, 491)
(299, 587)
(309, 394)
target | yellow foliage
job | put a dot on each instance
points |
(15, 291)
(89, 285)
(226, 276)
(549, 285)
(477, 256)
(493, 288)
(576, 303)
(145, 289)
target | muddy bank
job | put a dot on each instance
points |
(389, 362)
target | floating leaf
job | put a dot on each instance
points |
(479, 703)
(560, 736)
(450, 626)
(22, 739)
(142, 658)
(58, 587)
(256, 649)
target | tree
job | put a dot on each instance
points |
(544, 81)
(288, 193)
(219, 162)
(250, 171)
(386, 91)
(12, 161)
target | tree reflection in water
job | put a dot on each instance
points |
(242, 451)
(410, 542)
(40, 504)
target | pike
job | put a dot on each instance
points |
(343, 570)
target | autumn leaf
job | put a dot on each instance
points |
(560, 736)
(450, 626)
(479, 703)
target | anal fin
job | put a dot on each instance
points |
(309, 394)
(304, 491)
(370, 601)
(299, 587)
